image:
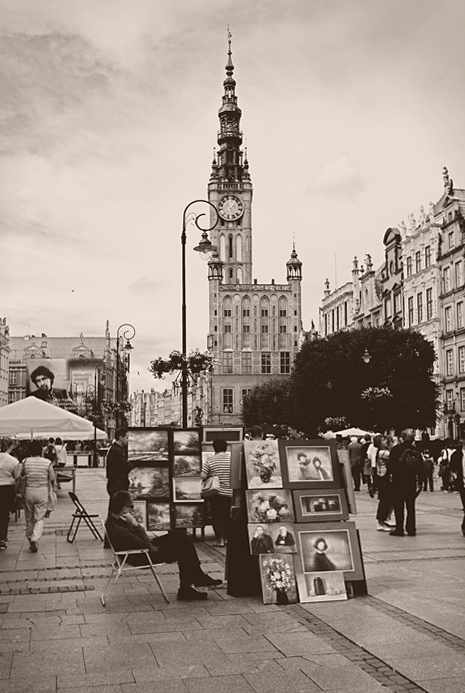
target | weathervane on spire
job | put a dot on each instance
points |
(229, 66)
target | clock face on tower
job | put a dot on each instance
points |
(230, 207)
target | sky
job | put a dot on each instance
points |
(109, 116)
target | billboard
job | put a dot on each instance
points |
(49, 380)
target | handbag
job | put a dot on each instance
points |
(20, 488)
(210, 486)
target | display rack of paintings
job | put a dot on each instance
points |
(298, 521)
(165, 479)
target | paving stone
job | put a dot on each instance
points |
(94, 689)
(232, 643)
(454, 685)
(58, 632)
(219, 684)
(167, 627)
(241, 664)
(47, 662)
(117, 656)
(176, 671)
(292, 644)
(44, 684)
(113, 677)
(187, 653)
(289, 681)
(162, 686)
(222, 622)
(432, 667)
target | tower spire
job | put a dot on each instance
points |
(229, 64)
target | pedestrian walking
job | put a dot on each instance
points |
(355, 457)
(406, 470)
(39, 477)
(220, 504)
(444, 471)
(10, 469)
(383, 483)
(457, 470)
(428, 466)
(366, 462)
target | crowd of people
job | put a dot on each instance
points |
(398, 469)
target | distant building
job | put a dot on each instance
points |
(4, 360)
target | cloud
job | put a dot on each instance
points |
(338, 177)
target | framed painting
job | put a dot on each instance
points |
(187, 488)
(158, 517)
(189, 515)
(186, 442)
(277, 574)
(283, 537)
(322, 587)
(260, 540)
(147, 446)
(149, 482)
(319, 505)
(186, 465)
(307, 463)
(269, 505)
(140, 512)
(229, 433)
(262, 464)
(329, 546)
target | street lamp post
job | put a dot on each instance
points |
(204, 247)
(128, 333)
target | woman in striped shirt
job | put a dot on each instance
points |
(39, 474)
(220, 504)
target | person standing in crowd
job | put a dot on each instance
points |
(428, 464)
(383, 484)
(10, 469)
(406, 470)
(39, 476)
(444, 467)
(372, 455)
(457, 470)
(126, 533)
(355, 457)
(118, 465)
(220, 504)
(366, 463)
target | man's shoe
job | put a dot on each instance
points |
(189, 593)
(382, 528)
(33, 546)
(207, 581)
(412, 534)
(395, 533)
(2, 544)
(389, 524)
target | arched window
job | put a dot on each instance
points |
(231, 274)
(230, 247)
(239, 275)
(222, 248)
(239, 248)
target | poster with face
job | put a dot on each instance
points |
(329, 546)
(283, 537)
(49, 380)
(307, 465)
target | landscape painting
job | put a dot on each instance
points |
(189, 515)
(149, 482)
(186, 442)
(147, 445)
(158, 516)
(187, 488)
(139, 511)
(186, 465)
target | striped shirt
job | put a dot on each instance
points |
(220, 465)
(36, 470)
(8, 464)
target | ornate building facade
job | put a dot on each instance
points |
(4, 361)
(255, 328)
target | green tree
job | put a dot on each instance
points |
(395, 389)
(268, 404)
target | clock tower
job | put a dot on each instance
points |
(230, 188)
(255, 329)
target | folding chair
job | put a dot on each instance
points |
(121, 566)
(79, 515)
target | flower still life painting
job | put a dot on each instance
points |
(262, 464)
(278, 579)
(269, 505)
(322, 587)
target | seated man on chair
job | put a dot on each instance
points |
(126, 533)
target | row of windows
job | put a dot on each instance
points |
(424, 312)
(264, 329)
(448, 317)
(227, 398)
(450, 399)
(418, 261)
(264, 312)
(447, 277)
(460, 360)
(265, 362)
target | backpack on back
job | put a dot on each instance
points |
(411, 461)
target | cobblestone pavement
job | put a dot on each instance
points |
(407, 635)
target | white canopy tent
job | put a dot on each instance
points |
(354, 431)
(33, 418)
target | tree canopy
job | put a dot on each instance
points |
(330, 379)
